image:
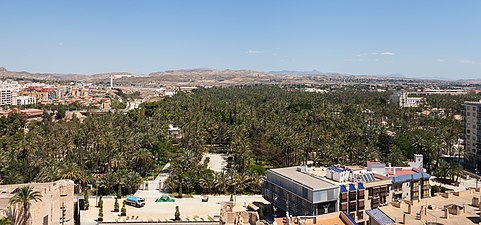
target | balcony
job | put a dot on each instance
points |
(352, 208)
(397, 191)
(360, 205)
(352, 197)
(361, 194)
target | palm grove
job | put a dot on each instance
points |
(259, 126)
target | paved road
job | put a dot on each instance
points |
(463, 184)
(158, 182)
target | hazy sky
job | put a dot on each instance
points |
(415, 38)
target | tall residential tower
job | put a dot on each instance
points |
(472, 133)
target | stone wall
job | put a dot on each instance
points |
(56, 197)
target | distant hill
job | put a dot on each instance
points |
(312, 72)
(211, 77)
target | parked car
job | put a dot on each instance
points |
(135, 201)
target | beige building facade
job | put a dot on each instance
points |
(56, 206)
(472, 133)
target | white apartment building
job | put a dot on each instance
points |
(5, 97)
(8, 91)
(23, 100)
(402, 99)
(472, 133)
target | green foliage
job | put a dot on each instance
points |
(5, 221)
(123, 210)
(86, 198)
(116, 205)
(177, 213)
(24, 197)
(100, 203)
(128, 181)
(435, 189)
(60, 114)
(257, 127)
(115, 104)
(259, 169)
(119, 191)
(101, 213)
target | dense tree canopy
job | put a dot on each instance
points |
(257, 126)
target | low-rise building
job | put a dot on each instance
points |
(300, 193)
(304, 191)
(335, 218)
(29, 114)
(450, 208)
(56, 206)
(404, 100)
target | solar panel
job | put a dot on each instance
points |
(371, 177)
(368, 177)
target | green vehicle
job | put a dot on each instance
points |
(165, 198)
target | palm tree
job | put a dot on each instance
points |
(24, 196)
(5, 221)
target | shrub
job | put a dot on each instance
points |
(116, 205)
(177, 213)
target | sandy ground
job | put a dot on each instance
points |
(217, 162)
(191, 209)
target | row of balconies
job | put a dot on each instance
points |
(353, 196)
(353, 206)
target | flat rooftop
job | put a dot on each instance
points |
(399, 171)
(311, 181)
(436, 213)
(325, 219)
(473, 103)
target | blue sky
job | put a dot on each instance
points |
(416, 38)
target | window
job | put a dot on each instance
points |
(360, 204)
(415, 184)
(425, 193)
(304, 193)
(360, 215)
(361, 193)
(352, 206)
(352, 196)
